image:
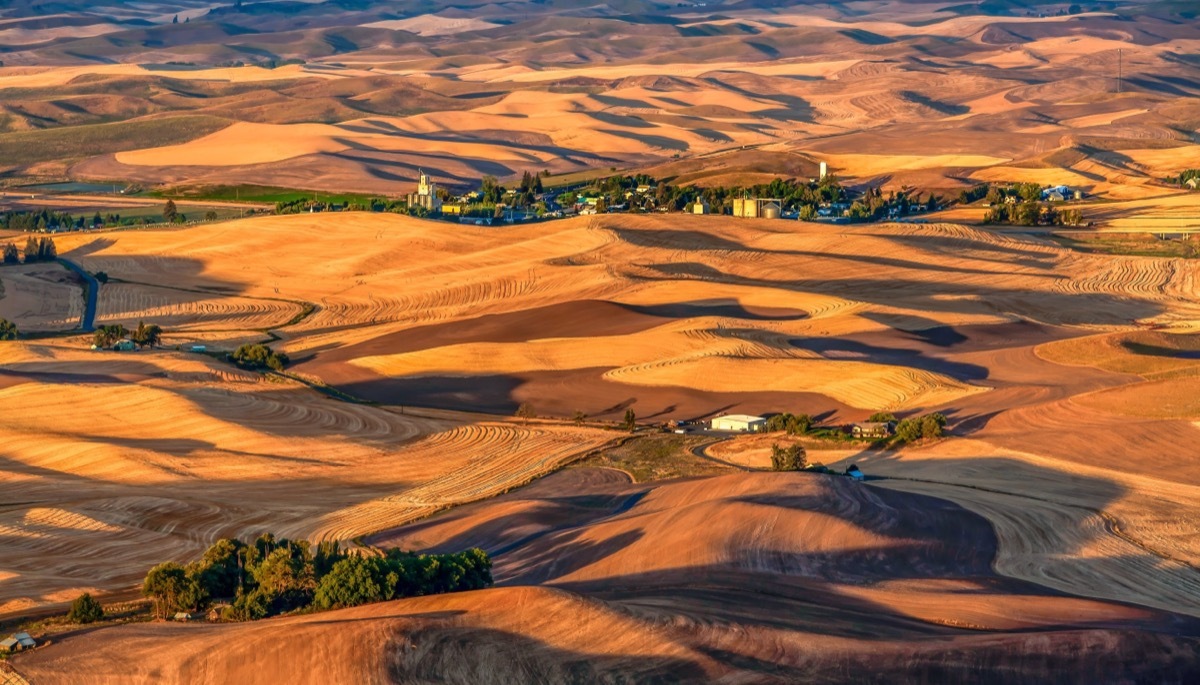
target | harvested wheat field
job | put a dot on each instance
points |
(542, 390)
(619, 581)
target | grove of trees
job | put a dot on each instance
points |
(258, 356)
(921, 427)
(792, 424)
(788, 458)
(107, 335)
(270, 576)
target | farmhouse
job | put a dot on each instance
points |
(873, 429)
(741, 423)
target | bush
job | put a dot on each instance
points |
(85, 609)
(790, 458)
(882, 417)
(8, 330)
(258, 356)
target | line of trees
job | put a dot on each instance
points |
(1032, 213)
(270, 576)
(36, 250)
(42, 220)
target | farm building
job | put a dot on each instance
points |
(17, 642)
(741, 423)
(756, 207)
(855, 473)
(873, 429)
(701, 207)
(125, 345)
(426, 195)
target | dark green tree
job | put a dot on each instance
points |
(170, 212)
(8, 330)
(31, 250)
(47, 251)
(85, 609)
(11, 254)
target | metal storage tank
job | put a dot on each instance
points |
(770, 211)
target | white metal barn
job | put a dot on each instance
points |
(741, 423)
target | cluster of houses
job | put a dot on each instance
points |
(17, 642)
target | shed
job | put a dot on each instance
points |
(855, 473)
(214, 613)
(740, 423)
(200, 348)
(873, 429)
(10, 644)
(125, 345)
(25, 640)
(183, 616)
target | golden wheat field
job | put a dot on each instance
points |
(1044, 359)
(541, 390)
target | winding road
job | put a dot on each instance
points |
(87, 322)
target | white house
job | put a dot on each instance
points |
(740, 423)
